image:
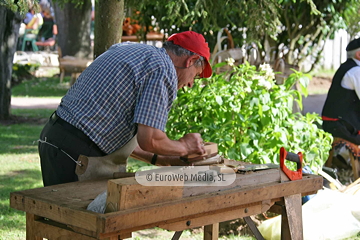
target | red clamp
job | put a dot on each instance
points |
(298, 158)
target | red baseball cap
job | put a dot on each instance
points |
(194, 42)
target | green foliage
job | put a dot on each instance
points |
(293, 29)
(250, 117)
(303, 33)
(77, 3)
(352, 19)
(21, 6)
(209, 17)
(22, 72)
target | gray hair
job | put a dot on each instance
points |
(180, 51)
(351, 54)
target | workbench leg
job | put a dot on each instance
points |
(253, 228)
(177, 235)
(30, 227)
(211, 232)
(291, 218)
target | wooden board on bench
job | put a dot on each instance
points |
(127, 193)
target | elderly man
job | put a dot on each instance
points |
(121, 103)
(341, 112)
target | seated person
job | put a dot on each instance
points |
(341, 112)
(35, 23)
(46, 31)
(29, 15)
(30, 30)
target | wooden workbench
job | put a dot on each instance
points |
(59, 212)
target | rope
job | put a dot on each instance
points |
(42, 141)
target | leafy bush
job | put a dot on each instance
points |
(250, 117)
(22, 72)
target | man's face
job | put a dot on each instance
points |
(357, 55)
(187, 75)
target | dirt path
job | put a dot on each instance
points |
(32, 103)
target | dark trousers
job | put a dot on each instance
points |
(342, 129)
(56, 166)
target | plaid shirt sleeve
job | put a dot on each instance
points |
(154, 102)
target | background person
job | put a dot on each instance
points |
(29, 15)
(47, 28)
(341, 112)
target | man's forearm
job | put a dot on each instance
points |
(154, 140)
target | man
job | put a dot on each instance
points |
(341, 112)
(125, 96)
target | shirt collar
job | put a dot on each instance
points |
(357, 61)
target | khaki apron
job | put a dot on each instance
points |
(104, 167)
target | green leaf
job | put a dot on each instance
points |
(219, 100)
(245, 149)
(304, 81)
(265, 108)
(254, 101)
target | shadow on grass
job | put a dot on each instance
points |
(19, 138)
(11, 182)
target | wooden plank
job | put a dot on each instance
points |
(220, 216)
(76, 195)
(126, 193)
(76, 217)
(51, 230)
(292, 219)
(278, 206)
(64, 203)
(31, 230)
(206, 204)
(242, 180)
(210, 149)
(211, 232)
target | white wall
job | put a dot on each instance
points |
(334, 51)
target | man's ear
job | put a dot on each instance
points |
(192, 59)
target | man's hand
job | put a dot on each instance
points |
(194, 143)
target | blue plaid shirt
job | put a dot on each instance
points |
(130, 83)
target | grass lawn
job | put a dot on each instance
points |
(20, 169)
(42, 87)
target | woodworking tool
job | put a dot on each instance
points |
(297, 158)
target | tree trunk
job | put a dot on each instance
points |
(9, 34)
(74, 28)
(109, 17)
